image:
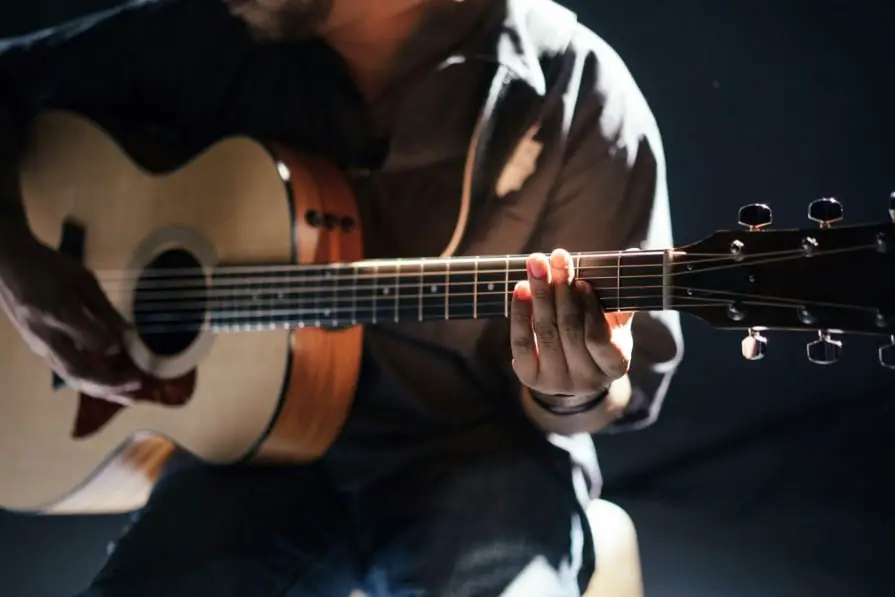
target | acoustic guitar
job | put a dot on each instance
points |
(249, 307)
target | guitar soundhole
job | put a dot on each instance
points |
(170, 303)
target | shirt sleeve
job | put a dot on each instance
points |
(129, 62)
(612, 194)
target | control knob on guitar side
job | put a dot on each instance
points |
(826, 211)
(825, 350)
(892, 206)
(755, 216)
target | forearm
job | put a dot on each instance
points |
(591, 421)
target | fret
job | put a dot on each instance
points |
(387, 281)
(433, 290)
(364, 294)
(516, 272)
(491, 288)
(343, 295)
(327, 298)
(354, 276)
(408, 304)
(461, 291)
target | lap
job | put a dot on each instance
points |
(246, 532)
(499, 524)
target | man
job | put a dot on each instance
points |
(466, 462)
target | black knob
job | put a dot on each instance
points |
(756, 216)
(825, 211)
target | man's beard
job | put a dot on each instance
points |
(291, 20)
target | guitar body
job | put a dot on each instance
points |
(237, 203)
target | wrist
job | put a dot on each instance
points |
(565, 405)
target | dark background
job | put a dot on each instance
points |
(770, 478)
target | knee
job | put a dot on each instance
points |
(618, 570)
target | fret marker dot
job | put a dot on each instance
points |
(385, 291)
(433, 289)
(491, 286)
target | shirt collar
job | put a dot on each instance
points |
(496, 31)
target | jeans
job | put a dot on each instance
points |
(500, 525)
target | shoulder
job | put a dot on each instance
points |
(605, 91)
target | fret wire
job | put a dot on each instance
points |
(475, 290)
(375, 291)
(397, 289)
(354, 296)
(447, 289)
(506, 288)
(422, 289)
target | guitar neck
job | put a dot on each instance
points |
(395, 291)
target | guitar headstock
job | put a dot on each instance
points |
(827, 280)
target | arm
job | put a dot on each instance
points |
(612, 195)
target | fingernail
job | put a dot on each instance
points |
(537, 268)
(522, 291)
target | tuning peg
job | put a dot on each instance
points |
(892, 206)
(887, 354)
(755, 216)
(826, 211)
(825, 350)
(754, 346)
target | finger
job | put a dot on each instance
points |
(580, 367)
(86, 370)
(99, 306)
(522, 337)
(598, 338)
(73, 320)
(584, 372)
(552, 368)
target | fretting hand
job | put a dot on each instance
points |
(565, 347)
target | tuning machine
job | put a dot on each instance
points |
(826, 211)
(887, 354)
(754, 346)
(755, 216)
(825, 350)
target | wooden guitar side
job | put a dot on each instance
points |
(270, 396)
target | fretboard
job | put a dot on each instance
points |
(395, 291)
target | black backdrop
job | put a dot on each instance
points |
(770, 478)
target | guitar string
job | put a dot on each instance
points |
(330, 276)
(134, 274)
(314, 294)
(202, 324)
